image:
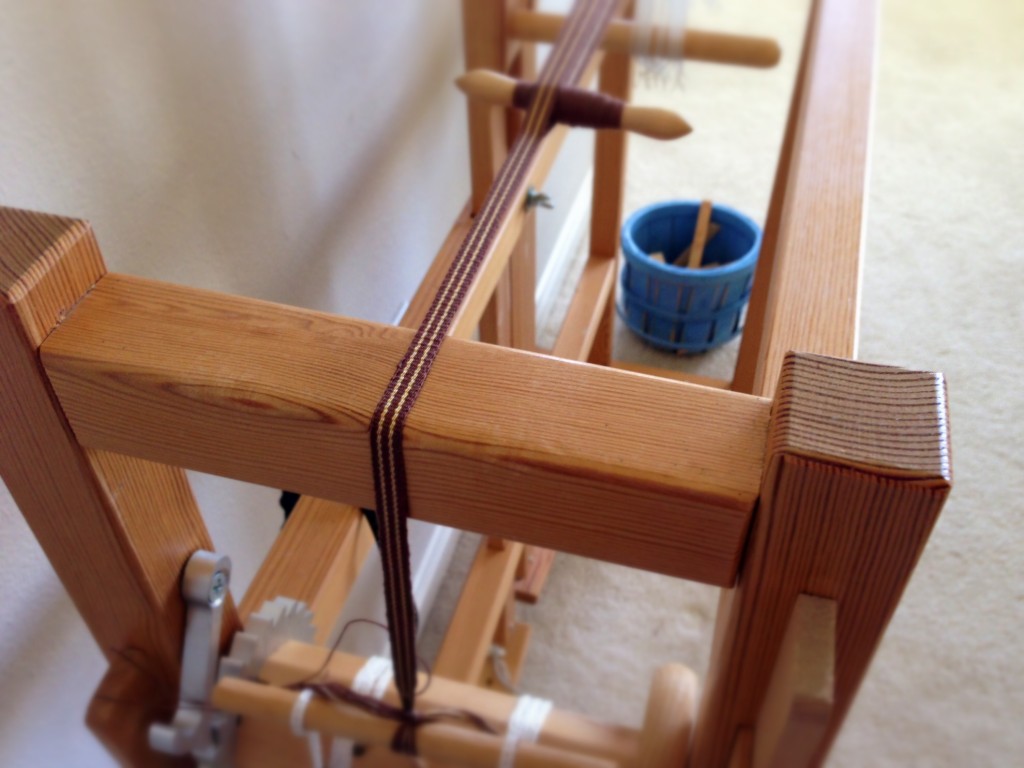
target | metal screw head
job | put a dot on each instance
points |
(218, 587)
(535, 198)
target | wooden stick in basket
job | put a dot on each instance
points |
(704, 231)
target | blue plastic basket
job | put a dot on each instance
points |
(680, 309)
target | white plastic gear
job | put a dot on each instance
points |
(277, 621)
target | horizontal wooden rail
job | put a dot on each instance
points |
(806, 294)
(579, 458)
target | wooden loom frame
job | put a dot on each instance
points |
(807, 488)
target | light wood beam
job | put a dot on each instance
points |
(857, 472)
(333, 540)
(116, 530)
(481, 606)
(563, 730)
(814, 259)
(483, 32)
(283, 397)
(748, 358)
(610, 147)
(593, 299)
(667, 373)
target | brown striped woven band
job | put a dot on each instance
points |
(577, 41)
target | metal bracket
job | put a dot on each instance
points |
(197, 729)
(535, 198)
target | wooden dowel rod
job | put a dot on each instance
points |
(563, 730)
(496, 88)
(628, 37)
(459, 745)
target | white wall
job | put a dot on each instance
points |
(309, 153)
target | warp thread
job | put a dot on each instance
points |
(577, 41)
(408, 720)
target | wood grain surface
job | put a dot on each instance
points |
(858, 470)
(547, 454)
(815, 241)
(116, 530)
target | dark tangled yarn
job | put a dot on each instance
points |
(409, 720)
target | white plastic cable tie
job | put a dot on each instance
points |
(372, 679)
(298, 718)
(525, 724)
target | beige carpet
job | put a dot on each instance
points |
(941, 291)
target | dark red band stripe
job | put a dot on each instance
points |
(575, 106)
(579, 38)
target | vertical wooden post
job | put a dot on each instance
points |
(615, 79)
(522, 262)
(483, 37)
(483, 31)
(117, 530)
(510, 317)
(857, 472)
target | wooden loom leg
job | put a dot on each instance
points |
(510, 317)
(116, 530)
(857, 474)
(483, 35)
(522, 264)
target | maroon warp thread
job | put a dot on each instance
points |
(574, 106)
(578, 39)
(404, 740)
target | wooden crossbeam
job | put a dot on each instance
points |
(858, 470)
(283, 397)
(807, 285)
